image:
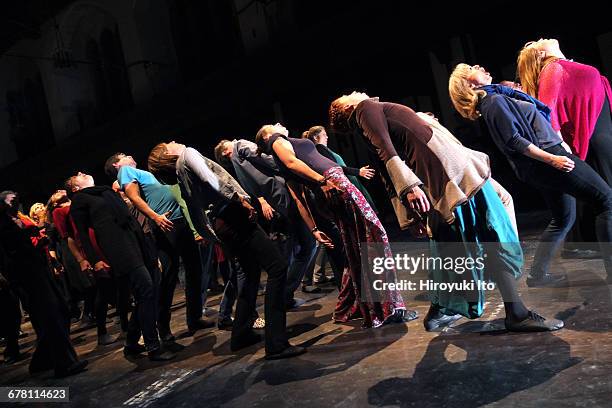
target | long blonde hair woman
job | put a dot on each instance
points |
(579, 99)
(578, 96)
(531, 61)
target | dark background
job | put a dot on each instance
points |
(320, 51)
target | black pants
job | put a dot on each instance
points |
(105, 291)
(323, 216)
(51, 321)
(560, 190)
(171, 245)
(144, 284)
(10, 321)
(255, 251)
(599, 157)
(123, 301)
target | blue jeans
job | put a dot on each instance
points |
(560, 191)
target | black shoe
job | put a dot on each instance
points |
(533, 323)
(13, 358)
(161, 355)
(310, 289)
(547, 280)
(87, 322)
(580, 254)
(225, 324)
(167, 337)
(173, 346)
(76, 368)
(294, 303)
(200, 325)
(240, 343)
(436, 320)
(402, 316)
(107, 339)
(135, 350)
(290, 351)
(323, 280)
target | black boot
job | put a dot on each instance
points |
(160, 354)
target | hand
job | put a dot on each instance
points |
(566, 147)
(417, 200)
(321, 237)
(58, 270)
(249, 207)
(84, 265)
(366, 172)
(266, 209)
(201, 241)
(562, 163)
(163, 222)
(101, 266)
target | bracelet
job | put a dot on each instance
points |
(323, 181)
(315, 229)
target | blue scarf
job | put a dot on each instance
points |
(521, 96)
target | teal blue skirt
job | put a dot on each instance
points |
(482, 228)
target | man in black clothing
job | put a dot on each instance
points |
(24, 267)
(122, 242)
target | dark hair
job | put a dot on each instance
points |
(259, 141)
(68, 184)
(339, 114)
(162, 164)
(219, 151)
(313, 133)
(109, 167)
(5, 193)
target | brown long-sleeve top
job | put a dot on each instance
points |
(413, 149)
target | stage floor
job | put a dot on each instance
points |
(475, 363)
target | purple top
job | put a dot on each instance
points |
(306, 151)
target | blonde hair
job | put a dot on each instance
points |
(35, 209)
(464, 97)
(529, 64)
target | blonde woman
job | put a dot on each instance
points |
(539, 157)
(579, 98)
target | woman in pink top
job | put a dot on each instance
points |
(579, 98)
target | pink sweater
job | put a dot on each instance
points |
(575, 93)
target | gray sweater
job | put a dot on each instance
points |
(205, 185)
